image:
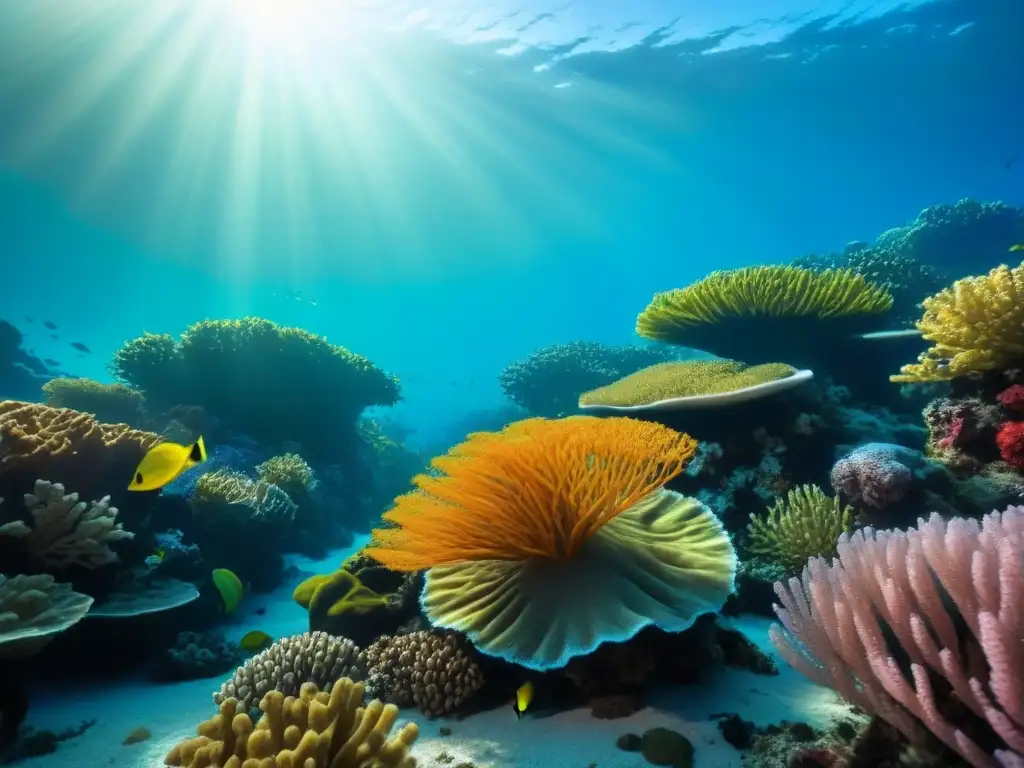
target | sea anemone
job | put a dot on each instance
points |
(552, 536)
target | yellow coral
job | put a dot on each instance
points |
(975, 325)
(313, 730)
(805, 524)
(772, 291)
(689, 378)
(289, 472)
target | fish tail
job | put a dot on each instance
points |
(198, 452)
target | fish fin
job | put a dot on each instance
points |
(198, 452)
(518, 711)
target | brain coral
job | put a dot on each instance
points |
(876, 474)
(694, 384)
(552, 536)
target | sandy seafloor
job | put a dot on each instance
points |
(492, 739)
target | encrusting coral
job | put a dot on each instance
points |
(806, 523)
(34, 610)
(341, 604)
(975, 325)
(312, 657)
(312, 730)
(432, 671)
(922, 628)
(552, 536)
(752, 312)
(66, 531)
(694, 384)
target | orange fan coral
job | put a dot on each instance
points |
(552, 536)
(538, 488)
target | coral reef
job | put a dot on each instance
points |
(552, 536)
(832, 622)
(693, 384)
(312, 657)
(311, 729)
(804, 524)
(112, 403)
(434, 672)
(246, 372)
(197, 655)
(237, 501)
(975, 325)
(33, 610)
(549, 381)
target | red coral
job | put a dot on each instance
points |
(1012, 398)
(1010, 440)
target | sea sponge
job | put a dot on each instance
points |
(312, 657)
(68, 447)
(694, 384)
(552, 536)
(435, 672)
(34, 610)
(233, 496)
(312, 730)
(805, 524)
(975, 325)
(289, 472)
(275, 383)
(67, 531)
(107, 402)
(877, 474)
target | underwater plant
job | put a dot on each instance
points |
(975, 325)
(804, 524)
(552, 536)
(914, 589)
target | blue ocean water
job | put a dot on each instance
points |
(448, 186)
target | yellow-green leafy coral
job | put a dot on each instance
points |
(109, 403)
(289, 472)
(689, 378)
(234, 498)
(805, 524)
(975, 325)
(777, 291)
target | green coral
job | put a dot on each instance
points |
(686, 378)
(805, 524)
(109, 403)
(289, 472)
(277, 384)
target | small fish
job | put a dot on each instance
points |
(1017, 247)
(230, 588)
(52, 326)
(156, 558)
(29, 319)
(260, 611)
(164, 463)
(81, 347)
(54, 336)
(523, 698)
(254, 640)
(51, 362)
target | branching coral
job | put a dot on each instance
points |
(107, 402)
(312, 730)
(276, 383)
(289, 472)
(234, 495)
(431, 671)
(806, 523)
(694, 384)
(549, 381)
(312, 657)
(67, 531)
(552, 536)
(975, 325)
(879, 626)
(34, 610)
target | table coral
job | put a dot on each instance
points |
(311, 730)
(552, 536)
(66, 531)
(34, 610)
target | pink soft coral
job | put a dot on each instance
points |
(1012, 398)
(836, 621)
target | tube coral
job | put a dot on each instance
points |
(552, 536)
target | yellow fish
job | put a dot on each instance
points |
(523, 698)
(164, 463)
(230, 588)
(254, 640)
(1017, 247)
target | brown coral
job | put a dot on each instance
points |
(312, 657)
(68, 447)
(314, 730)
(435, 672)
